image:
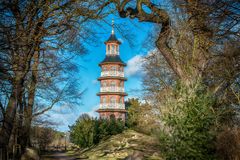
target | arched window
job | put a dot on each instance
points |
(102, 115)
(108, 49)
(104, 68)
(112, 49)
(113, 84)
(112, 117)
(117, 49)
(104, 84)
(114, 68)
(121, 84)
(113, 100)
(121, 69)
(104, 100)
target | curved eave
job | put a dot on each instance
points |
(123, 64)
(112, 110)
(112, 77)
(113, 41)
(112, 93)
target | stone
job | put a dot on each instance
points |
(30, 154)
(135, 156)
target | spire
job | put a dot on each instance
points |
(112, 26)
(113, 37)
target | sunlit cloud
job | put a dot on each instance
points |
(134, 66)
(121, 40)
(94, 81)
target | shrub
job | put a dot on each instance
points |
(140, 116)
(82, 132)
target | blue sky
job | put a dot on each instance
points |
(88, 74)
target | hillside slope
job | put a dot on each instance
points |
(128, 143)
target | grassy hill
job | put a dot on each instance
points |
(122, 145)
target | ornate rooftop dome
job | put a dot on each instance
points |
(112, 59)
(113, 39)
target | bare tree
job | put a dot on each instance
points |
(29, 31)
(158, 77)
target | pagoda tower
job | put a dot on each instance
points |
(112, 81)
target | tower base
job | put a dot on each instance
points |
(109, 113)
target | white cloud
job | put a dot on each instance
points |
(121, 40)
(60, 119)
(134, 66)
(94, 81)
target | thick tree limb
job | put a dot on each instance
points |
(158, 16)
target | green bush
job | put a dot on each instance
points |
(190, 124)
(134, 109)
(82, 132)
(140, 117)
(88, 131)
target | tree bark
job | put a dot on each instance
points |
(158, 16)
(24, 137)
(9, 116)
(161, 44)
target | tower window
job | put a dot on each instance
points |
(114, 68)
(121, 84)
(113, 100)
(117, 49)
(104, 100)
(121, 69)
(113, 84)
(108, 49)
(112, 49)
(112, 116)
(104, 84)
(104, 68)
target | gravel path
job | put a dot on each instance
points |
(57, 156)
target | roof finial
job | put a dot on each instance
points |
(112, 26)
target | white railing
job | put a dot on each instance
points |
(111, 89)
(110, 53)
(112, 73)
(112, 106)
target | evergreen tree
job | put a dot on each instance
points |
(87, 131)
(190, 124)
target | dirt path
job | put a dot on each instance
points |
(57, 156)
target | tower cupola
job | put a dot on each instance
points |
(112, 44)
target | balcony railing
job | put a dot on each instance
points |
(112, 73)
(111, 89)
(112, 106)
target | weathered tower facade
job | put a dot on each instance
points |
(112, 81)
